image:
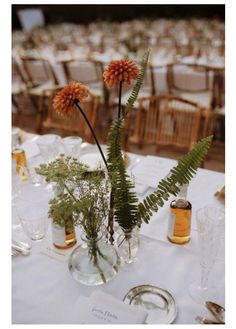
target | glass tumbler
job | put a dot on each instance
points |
(32, 205)
(49, 146)
(72, 145)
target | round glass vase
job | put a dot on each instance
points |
(94, 262)
(128, 245)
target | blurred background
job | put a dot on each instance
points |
(181, 100)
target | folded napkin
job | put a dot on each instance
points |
(101, 308)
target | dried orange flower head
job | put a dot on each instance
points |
(63, 101)
(120, 71)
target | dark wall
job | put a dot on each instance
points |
(89, 13)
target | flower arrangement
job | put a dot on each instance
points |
(124, 206)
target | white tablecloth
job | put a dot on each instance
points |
(43, 291)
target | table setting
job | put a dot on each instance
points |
(103, 236)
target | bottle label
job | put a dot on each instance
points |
(171, 225)
(58, 235)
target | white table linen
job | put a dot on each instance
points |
(43, 291)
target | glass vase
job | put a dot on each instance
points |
(94, 262)
(128, 245)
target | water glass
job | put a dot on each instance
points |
(49, 146)
(72, 145)
(210, 222)
(15, 137)
(32, 205)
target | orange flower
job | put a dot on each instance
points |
(120, 71)
(63, 101)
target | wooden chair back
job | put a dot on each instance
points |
(190, 78)
(38, 71)
(75, 124)
(83, 71)
(164, 121)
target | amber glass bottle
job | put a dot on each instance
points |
(63, 237)
(180, 218)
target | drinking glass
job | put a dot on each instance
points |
(209, 228)
(15, 137)
(72, 145)
(32, 204)
(49, 146)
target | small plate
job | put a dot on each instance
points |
(159, 303)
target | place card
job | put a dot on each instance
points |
(101, 308)
(58, 254)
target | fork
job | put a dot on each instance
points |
(14, 252)
(203, 320)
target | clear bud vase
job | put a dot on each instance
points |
(128, 245)
(94, 262)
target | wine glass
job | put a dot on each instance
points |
(32, 205)
(209, 224)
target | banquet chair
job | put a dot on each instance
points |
(39, 73)
(74, 124)
(40, 81)
(18, 89)
(87, 72)
(194, 83)
(163, 121)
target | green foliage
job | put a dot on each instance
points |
(128, 212)
(179, 175)
(139, 82)
(81, 196)
(125, 201)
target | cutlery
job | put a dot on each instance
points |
(203, 320)
(22, 244)
(21, 250)
(14, 252)
(216, 310)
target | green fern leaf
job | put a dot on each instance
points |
(179, 175)
(139, 82)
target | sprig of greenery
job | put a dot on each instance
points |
(81, 196)
(128, 212)
(179, 175)
(135, 91)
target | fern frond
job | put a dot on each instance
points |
(179, 175)
(134, 93)
(125, 201)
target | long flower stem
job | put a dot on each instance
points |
(110, 224)
(119, 104)
(76, 103)
(110, 215)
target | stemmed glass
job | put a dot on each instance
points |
(209, 224)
